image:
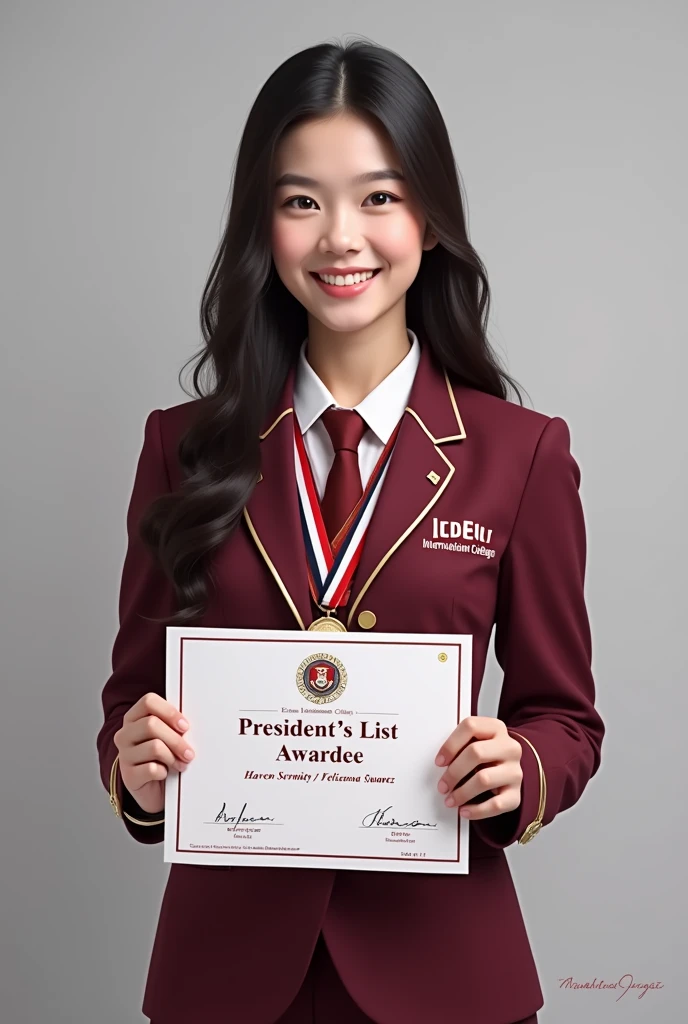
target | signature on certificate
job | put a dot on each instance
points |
(237, 819)
(377, 819)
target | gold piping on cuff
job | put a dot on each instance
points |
(114, 802)
(137, 821)
(532, 830)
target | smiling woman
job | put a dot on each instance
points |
(354, 465)
(335, 158)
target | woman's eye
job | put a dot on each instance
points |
(307, 199)
(295, 199)
(388, 194)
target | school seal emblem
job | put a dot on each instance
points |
(321, 678)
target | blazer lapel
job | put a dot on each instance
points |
(418, 473)
(272, 513)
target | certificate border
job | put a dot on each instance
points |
(331, 639)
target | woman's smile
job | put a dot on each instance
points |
(344, 291)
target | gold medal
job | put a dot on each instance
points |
(328, 624)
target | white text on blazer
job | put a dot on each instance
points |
(466, 529)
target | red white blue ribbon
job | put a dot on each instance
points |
(331, 566)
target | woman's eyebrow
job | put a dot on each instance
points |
(385, 174)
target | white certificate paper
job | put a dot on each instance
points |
(316, 749)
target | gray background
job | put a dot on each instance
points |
(119, 125)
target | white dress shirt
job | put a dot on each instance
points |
(382, 409)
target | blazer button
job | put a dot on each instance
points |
(367, 620)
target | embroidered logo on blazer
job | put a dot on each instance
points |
(465, 536)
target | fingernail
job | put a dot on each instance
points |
(449, 801)
(442, 786)
(183, 724)
(181, 766)
(188, 753)
(465, 812)
(439, 760)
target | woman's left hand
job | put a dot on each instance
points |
(481, 741)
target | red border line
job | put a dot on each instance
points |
(330, 639)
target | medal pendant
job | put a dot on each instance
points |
(328, 624)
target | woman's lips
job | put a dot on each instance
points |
(348, 291)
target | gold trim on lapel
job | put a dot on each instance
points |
(271, 567)
(273, 425)
(452, 399)
(272, 512)
(427, 404)
(435, 497)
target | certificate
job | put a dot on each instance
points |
(316, 749)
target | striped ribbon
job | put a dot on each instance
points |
(331, 566)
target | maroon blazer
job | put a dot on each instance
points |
(233, 943)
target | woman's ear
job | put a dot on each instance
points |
(430, 239)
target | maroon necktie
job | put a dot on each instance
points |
(346, 427)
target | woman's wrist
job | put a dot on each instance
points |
(132, 809)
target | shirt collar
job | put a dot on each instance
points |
(382, 408)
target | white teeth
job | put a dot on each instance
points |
(348, 279)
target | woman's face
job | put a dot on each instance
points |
(335, 221)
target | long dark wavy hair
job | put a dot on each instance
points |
(253, 326)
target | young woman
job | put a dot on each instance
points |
(347, 310)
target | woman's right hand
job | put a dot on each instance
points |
(150, 742)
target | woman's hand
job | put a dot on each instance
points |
(481, 741)
(151, 737)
